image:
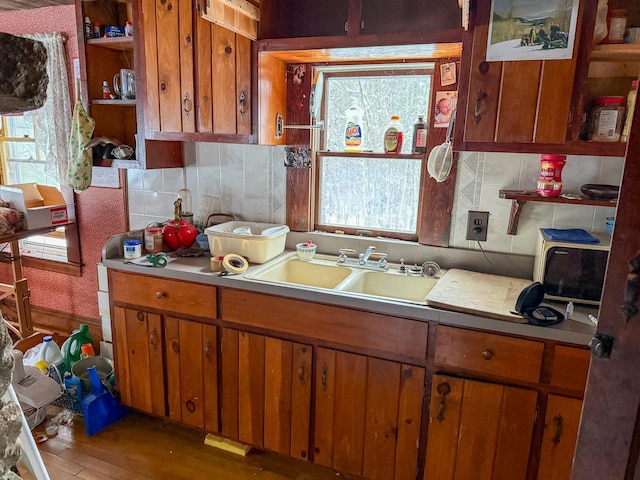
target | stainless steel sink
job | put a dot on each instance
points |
(323, 272)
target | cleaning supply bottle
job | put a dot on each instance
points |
(86, 350)
(393, 136)
(71, 348)
(419, 136)
(353, 130)
(73, 387)
(52, 356)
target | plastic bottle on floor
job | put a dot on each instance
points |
(73, 387)
(52, 356)
(71, 348)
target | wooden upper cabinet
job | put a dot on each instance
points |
(198, 75)
(506, 106)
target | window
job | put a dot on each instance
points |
(23, 162)
(368, 189)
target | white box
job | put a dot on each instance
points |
(265, 240)
(40, 206)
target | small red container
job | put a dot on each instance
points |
(550, 180)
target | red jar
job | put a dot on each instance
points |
(550, 180)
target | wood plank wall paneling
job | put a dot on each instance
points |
(168, 44)
(223, 49)
(210, 378)
(272, 77)
(436, 202)
(204, 86)
(187, 93)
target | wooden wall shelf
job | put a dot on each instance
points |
(113, 43)
(623, 52)
(115, 102)
(519, 198)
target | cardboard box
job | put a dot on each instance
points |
(40, 206)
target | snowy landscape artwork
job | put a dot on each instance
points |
(532, 29)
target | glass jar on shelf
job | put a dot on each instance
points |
(607, 119)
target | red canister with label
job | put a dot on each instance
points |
(550, 180)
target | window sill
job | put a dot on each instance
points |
(65, 268)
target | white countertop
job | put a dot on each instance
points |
(578, 331)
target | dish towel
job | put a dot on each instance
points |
(574, 235)
(80, 158)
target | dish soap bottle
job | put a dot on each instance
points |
(353, 131)
(393, 136)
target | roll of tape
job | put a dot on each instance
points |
(235, 263)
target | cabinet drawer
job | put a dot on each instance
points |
(489, 353)
(570, 367)
(163, 294)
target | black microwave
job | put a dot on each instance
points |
(572, 272)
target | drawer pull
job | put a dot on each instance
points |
(160, 294)
(191, 406)
(325, 369)
(303, 364)
(443, 389)
(487, 354)
(153, 339)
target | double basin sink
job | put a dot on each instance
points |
(323, 272)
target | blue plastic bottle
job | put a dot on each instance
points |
(74, 390)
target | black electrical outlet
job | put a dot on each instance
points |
(477, 224)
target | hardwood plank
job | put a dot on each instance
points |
(121, 352)
(357, 328)
(191, 373)
(64, 465)
(349, 416)
(156, 364)
(272, 98)
(210, 378)
(243, 85)
(442, 442)
(151, 99)
(277, 395)
(409, 419)
(325, 407)
(139, 352)
(299, 208)
(560, 435)
(381, 427)
(554, 105)
(203, 57)
(172, 361)
(300, 401)
(518, 101)
(229, 393)
(169, 66)
(515, 435)
(186, 66)
(480, 418)
(223, 47)
(251, 388)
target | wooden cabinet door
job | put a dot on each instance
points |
(367, 415)
(266, 392)
(139, 354)
(192, 376)
(516, 101)
(478, 430)
(169, 70)
(560, 435)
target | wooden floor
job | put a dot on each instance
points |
(140, 447)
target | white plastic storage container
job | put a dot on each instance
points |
(258, 242)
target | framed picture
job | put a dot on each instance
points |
(445, 104)
(532, 30)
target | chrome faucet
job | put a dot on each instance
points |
(363, 257)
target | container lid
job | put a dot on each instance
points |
(131, 243)
(551, 156)
(528, 305)
(610, 101)
(395, 117)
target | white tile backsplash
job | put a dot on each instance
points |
(249, 181)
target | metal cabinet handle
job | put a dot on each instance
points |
(325, 369)
(242, 104)
(187, 105)
(443, 389)
(153, 339)
(480, 97)
(558, 421)
(207, 351)
(303, 365)
(487, 354)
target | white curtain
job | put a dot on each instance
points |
(53, 120)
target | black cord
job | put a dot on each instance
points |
(483, 252)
